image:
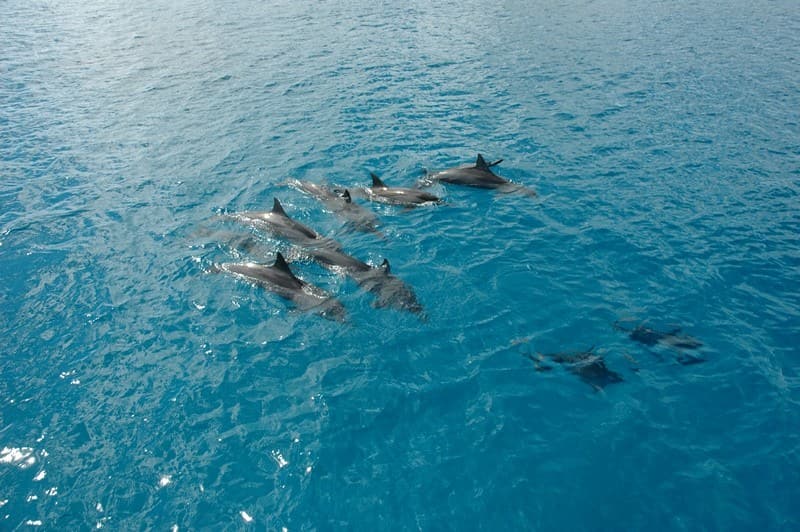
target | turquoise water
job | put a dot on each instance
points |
(139, 391)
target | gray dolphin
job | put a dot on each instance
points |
(388, 289)
(588, 366)
(279, 279)
(408, 197)
(278, 222)
(672, 338)
(341, 204)
(479, 175)
(335, 258)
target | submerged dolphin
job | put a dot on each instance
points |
(588, 366)
(279, 279)
(651, 337)
(278, 222)
(479, 175)
(408, 197)
(341, 204)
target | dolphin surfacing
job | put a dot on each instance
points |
(389, 290)
(479, 175)
(407, 197)
(280, 280)
(280, 224)
(341, 203)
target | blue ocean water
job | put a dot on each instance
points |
(139, 391)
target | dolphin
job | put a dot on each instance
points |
(334, 258)
(341, 204)
(388, 289)
(408, 197)
(279, 279)
(479, 175)
(588, 366)
(278, 222)
(673, 339)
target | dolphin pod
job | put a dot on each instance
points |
(388, 290)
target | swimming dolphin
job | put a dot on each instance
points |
(341, 204)
(408, 197)
(278, 222)
(673, 339)
(388, 289)
(279, 279)
(588, 366)
(336, 259)
(479, 175)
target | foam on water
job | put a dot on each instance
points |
(664, 143)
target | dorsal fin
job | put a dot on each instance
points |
(281, 264)
(480, 164)
(277, 208)
(385, 266)
(347, 197)
(376, 181)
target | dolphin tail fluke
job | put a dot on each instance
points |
(498, 161)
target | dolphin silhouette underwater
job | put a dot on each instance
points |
(672, 338)
(341, 204)
(478, 175)
(587, 365)
(407, 197)
(280, 280)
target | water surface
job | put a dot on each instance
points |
(139, 391)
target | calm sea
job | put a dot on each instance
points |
(138, 391)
